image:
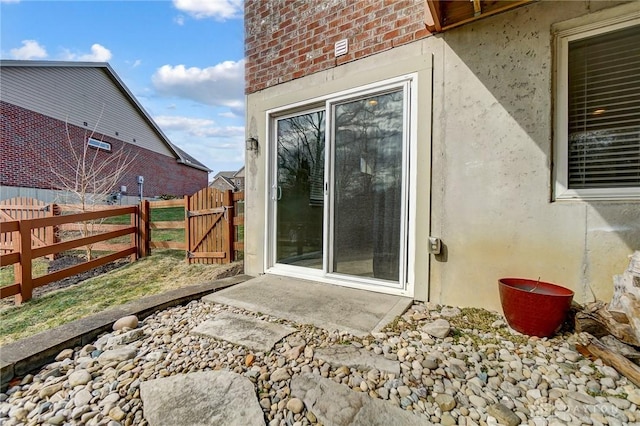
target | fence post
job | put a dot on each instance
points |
(135, 221)
(228, 230)
(187, 229)
(23, 274)
(145, 228)
(50, 232)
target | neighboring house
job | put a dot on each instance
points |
(429, 148)
(225, 181)
(45, 106)
(238, 179)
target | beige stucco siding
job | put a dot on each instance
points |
(484, 181)
(493, 131)
(77, 95)
(367, 71)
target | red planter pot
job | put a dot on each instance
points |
(533, 307)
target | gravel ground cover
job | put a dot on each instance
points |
(480, 373)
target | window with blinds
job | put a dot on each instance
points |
(604, 110)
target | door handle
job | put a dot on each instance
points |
(276, 192)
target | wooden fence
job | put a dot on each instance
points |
(148, 225)
(213, 225)
(238, 225)
(28, 208)
(24, 250)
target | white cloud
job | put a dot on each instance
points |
(220, 85)
(134, 64)
(30, 49)
(98, 53)
(216, 9)
(9, 1)
(174, 122)
(218, 147)
(198, 127)
(221, 132)
(179, 20)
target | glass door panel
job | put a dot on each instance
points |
(367, 186)
(299, 189)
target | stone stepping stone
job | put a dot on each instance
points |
(203, 398)
(354, 357)
(338, 405)
(253, 333)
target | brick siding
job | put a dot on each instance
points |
(32, 144)
(286, 39)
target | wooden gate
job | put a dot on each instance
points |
(210, 228)
(27, 208)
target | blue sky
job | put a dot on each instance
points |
(182, 59)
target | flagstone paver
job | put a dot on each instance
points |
(203, 398)
(338, 405)
(354, 357)
(244, 330)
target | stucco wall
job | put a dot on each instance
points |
(403, 60)
(492, 188)
(484, 182)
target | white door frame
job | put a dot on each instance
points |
(405, 286)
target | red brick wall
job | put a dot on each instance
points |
(32, 144)
(287, 39)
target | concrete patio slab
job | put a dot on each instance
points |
(327, 306)
(243, 330)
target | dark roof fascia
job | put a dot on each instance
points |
(239, 170)
(228, 180)
(123, 88)
(226, 174)
(224, 180)
(188, 160)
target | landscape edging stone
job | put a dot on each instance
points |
(28, 354)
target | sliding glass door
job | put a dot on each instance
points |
(367, 186)
(298, 192)
(339, 185)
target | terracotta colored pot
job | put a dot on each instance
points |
(534, 307)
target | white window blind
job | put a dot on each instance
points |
(604, 110)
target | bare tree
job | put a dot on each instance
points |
(89, 175)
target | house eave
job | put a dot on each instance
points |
(443, 15)
(121, 86)
(195, 166)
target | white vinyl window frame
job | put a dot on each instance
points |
(406, 285)
(561, 130)
(97, 144)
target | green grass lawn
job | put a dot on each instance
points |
(157, 215)
(7, 277)
(169, 214)
(167, 235)
(163, 271)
